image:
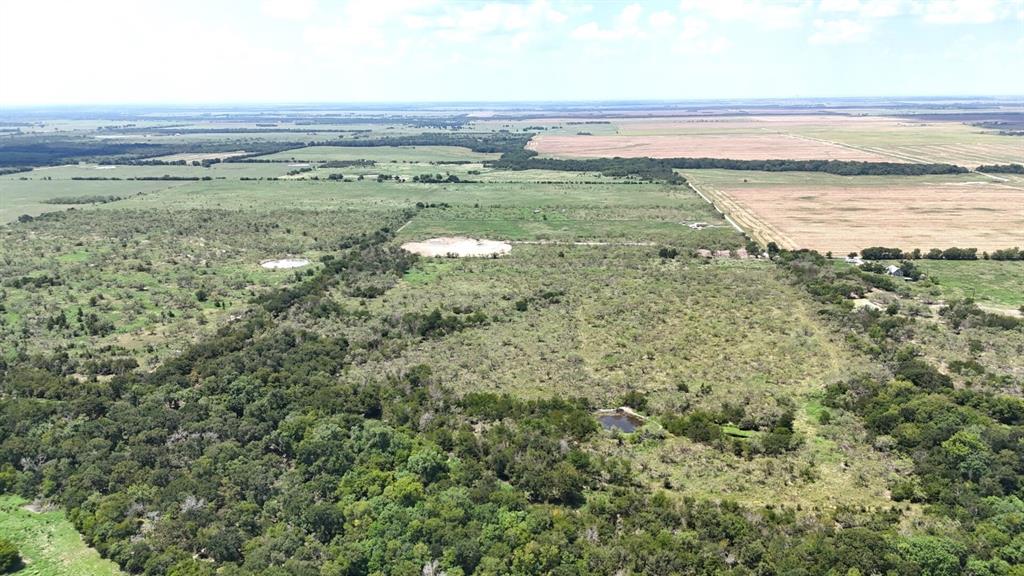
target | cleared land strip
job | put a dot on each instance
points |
(745, 221)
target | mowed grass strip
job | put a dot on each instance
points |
(48, 542)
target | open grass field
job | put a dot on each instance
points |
(439, 154)
(989, 282)
(843, 214)
(48, 543)
(788, 136)
(33, 197)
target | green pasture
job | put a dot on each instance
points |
(48, 543)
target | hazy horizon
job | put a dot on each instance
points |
(115, 52)
(822, 101)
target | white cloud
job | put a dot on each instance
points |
(296, 10)
(367, 29)
(693, 28)
(839, 5)
(962, 11)
(865, 8)
(838, 32)
(626, 25)
(662, 19)
(932, 11)
(693, 39)
(469, 25)
(765, 13)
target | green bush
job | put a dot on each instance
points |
(10, 560)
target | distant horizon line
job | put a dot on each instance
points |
(468, 103)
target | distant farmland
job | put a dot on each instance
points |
(785, 136)
(739, 147)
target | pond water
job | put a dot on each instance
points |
(619, 421)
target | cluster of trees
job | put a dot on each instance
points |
(664, 169)
(436, 179)
(1014, 253)
(643, 168)
(965, 313)
(1004, 168)
(51, 149)
(707, 426)
(625, 166)
(40, 281)
(348, 163)
(44, 150)
(840, 167)
(954, 253)
(486, 142)
(907, 268)
(966, 444)
(85, 199)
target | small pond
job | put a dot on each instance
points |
(623, 421)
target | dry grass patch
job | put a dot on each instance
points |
(735, 146)
(828, 213)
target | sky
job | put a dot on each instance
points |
(234, 51)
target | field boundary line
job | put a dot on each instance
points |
(870, 150)
(738, 216)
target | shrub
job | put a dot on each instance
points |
(881, 253)
(10, 560)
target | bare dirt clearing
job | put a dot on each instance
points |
(457, 246)
(285, 263)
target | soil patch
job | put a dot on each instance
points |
(458, 247)
(284, 263)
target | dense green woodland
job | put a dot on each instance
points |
(247, 454)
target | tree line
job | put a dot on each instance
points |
(1003, 168)
(954, 253)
